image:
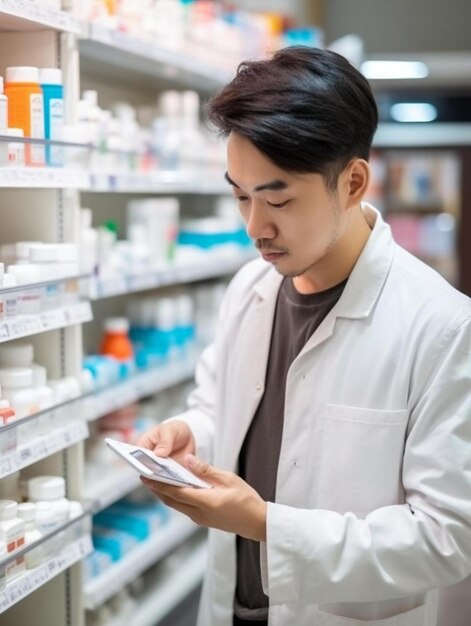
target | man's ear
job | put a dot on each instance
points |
(356, 181)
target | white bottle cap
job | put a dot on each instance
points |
(46, 488)
(4, 404)
(116, 325)
(15, 132)
(73, 386)
(16, 377)
(16, 354)
(27, 511)
(44, 253)
(50, 76)
(22, 74)
(8, 509)
(25, 274)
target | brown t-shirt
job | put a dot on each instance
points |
(297, 316)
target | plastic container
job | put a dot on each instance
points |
(20, 354)
(26, 108)
(3, 124)
(50, 489)
(29, 300)
(116, 342)
(27, 512)
(53, 93)
(11, 298)
(15, 149)
(12, 528)
(8, 438)
(17, 388)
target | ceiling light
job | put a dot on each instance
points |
(394, 69)
(413, 112)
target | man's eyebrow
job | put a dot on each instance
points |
(230, 181)
(273, 185)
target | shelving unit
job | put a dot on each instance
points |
(44, 204)
(27, 15)
(118, 575)
(173, 590)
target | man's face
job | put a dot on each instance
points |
(294, 219)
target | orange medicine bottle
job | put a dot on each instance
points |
(116, 342)
(26, 108)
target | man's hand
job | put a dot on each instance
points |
(173, 439)
(231, 505)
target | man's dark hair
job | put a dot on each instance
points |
(306, 109)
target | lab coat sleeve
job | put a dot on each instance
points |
(320, 556)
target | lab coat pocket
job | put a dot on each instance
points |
(415, 617)
(361, 458)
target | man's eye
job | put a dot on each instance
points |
(278, 206)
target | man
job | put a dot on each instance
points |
(335, 401)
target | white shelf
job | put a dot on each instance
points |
(212, 267)
(174, 589)
(32, 579)
(18, 15)
(110, 50)
(422, 135)
(43, 178)
(26, 325)
(112, 486)
(139, 386)
(43, 447)
(159, 181)
(162, 541)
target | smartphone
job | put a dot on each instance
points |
(157, 468)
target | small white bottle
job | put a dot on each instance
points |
(17, 388)
(30, 297)
(50, 489)
(27, 512)
(10, 299)
(12, 528)
(21, 354)
(16, 150)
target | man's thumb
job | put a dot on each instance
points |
(199, 467)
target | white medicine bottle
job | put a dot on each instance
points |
(50, 489)
(27, 512)
(17, 388)
(12, 528)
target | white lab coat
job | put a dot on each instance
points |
(373, 497)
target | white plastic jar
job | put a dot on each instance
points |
(17, 388)
(27, 512)
(21, 354)
(50, 489)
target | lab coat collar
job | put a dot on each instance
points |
(367, 278)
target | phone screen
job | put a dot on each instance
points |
(156, 467)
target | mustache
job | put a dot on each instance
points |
(267, 245)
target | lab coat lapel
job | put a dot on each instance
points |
(249, 363)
